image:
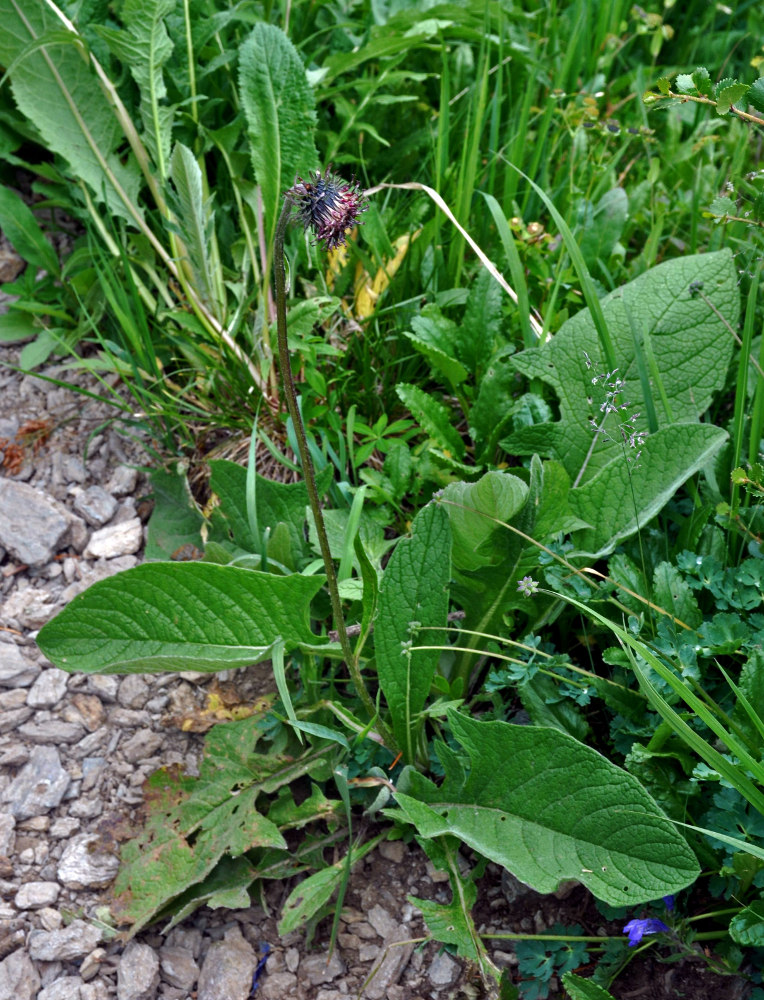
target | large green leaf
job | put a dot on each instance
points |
(180, 616)
(434, 419)
(489, 559)
(435, 336)
(194, 824)
(55, 87)
(144, 46)
(672, 320)
(414, 591)
(622, 497)
(549, 808)
(602, 225)
(175, 520)
(275, 503)
(747, 927)
(279, 107)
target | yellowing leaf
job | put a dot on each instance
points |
(367, 291)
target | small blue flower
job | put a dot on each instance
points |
(669, 901)
(636, 929)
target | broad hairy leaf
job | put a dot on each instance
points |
(489, 559)
(180, 616)
(602, 225)
(275, 503)
(414, 591)
(678, 313)
(549, 808)
(435, 336)
(57, 90)
(279, 107)
(193, 824)
(175, 520)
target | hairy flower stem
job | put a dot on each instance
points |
(308, 472)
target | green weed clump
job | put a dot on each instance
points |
(508, 574)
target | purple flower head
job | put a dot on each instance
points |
(636, 929)
(669, 901)
(328, 206)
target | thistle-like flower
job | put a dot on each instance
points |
(328, 206)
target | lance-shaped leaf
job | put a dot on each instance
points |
(195, 219)
(144, 47)
(279, 107)
(549, 808)
(414, 592)
(180, 616)
(56, 88)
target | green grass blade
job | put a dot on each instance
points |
(354, 520)
(279, 675)
(516, 268)
(587, 285)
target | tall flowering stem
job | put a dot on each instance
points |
(328, 208)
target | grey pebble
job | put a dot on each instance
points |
(228, 969)
(275, 986)
(73, 469)
(12, 718)
(104, 685)
(123, 481)
(115, 540)
(32, 526)
(51, 731)
(91, 963)
(95, 991)
(15, 671)
(67, 988)
(141, 745)
(393, 850)
(7, 834)
(178, 967)
(40, 786)
(48, 689)
(19, 979)
(74, 941)
(137, 973)
(82, 867)
(382, 922)
(389, 970)
(317, 969)
(443, 971)
(133, 691)
(33, 895)
(96, 506)
(28, 607)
